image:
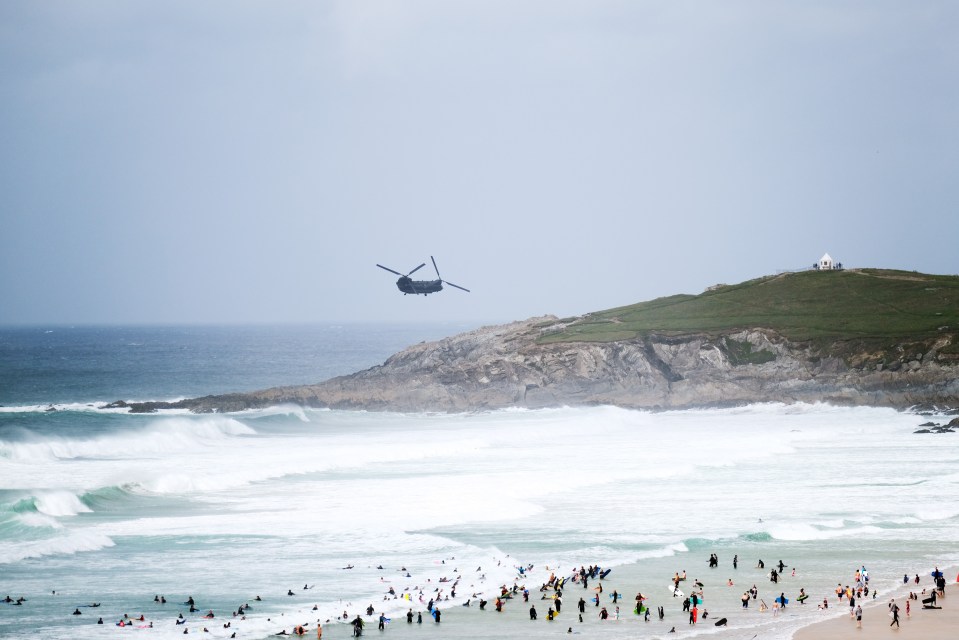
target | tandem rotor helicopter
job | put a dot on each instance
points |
(407, 285)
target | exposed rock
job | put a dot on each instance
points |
(504, 366)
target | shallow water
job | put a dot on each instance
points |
(226, 507)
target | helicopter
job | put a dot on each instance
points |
(425, 287)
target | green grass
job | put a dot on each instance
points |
(869, 308)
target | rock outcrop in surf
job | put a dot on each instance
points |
(508, 366)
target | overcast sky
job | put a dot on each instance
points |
(211, 162)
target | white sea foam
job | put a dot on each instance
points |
(166, 436)
(39, 520)
(231, 509)
(74, 542)
(99, 406)
(60, 503)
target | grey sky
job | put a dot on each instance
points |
(253, 161)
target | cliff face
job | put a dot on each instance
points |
(504, 366)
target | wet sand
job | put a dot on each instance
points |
(921, 623)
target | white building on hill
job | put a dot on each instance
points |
(826, 263)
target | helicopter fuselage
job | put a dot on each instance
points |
(424, 287)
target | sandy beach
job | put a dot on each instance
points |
(921, 623)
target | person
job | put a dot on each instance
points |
(77, 612)
(582, 605)
(735, 561)
(437, 614)
(858, 617)
(357, 626)
(603, 614)
(549, 613)
(761, 565)
(745, 600)
(532, 613)
(895, 613)
(382, 624)
(907, 608)
(419, 617)
(409, 617)
(319, 632)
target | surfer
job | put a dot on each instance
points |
(358, 626)
(532, 613)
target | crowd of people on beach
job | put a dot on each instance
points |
(427, 597)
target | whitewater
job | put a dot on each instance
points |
(98, 506)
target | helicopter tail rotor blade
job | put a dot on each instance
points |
(456, 285)
(416, 269)
(390, 270)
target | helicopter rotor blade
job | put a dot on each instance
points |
(390, 270)
(456, 285)
(416, 269)
(435, 268)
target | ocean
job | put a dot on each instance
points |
(307, 515)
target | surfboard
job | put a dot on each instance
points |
(604, 573)
(676, 592)
(782, 600)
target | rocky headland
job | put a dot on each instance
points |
(846, 337)
(508, 366)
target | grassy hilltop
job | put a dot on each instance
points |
(867, 308)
